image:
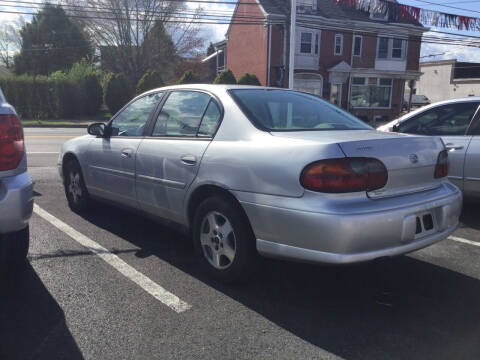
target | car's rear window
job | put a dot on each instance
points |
(286, 110)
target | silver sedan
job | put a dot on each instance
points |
(253, 170)
(458, 123)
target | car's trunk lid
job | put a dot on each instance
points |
(410, 160)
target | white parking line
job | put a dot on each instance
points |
(41, 152)
(465, 241)
(158, 292)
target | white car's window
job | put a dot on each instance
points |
(210, 120)
(131, 121)
(452, 119)
(181, 114)
(285, 110)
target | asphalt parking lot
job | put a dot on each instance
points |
(108, 298)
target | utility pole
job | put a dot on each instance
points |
(291, 60)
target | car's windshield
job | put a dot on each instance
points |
(286, 110)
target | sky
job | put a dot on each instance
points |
(216, 33)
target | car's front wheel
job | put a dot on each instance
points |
(75, 189)
(224, 240)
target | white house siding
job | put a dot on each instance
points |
(437, 82)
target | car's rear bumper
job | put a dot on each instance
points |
(354, 234)
(16, 202)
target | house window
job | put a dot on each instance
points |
(391, 48)
(397, 48)
(371, 92)
(307, 4)
(338, 44)
(317, 43)
(336, 94)
(311, 83)
(357, 45)
(382, 48)
(306, 42)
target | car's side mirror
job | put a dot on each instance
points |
(96, 129)
(395, 128)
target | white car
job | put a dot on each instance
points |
(457, 122)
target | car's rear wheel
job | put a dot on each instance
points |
(14, 248)
(75, 189)
(224, 240)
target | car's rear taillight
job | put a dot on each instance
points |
(441, 169)
(11, 142)
(344, 175)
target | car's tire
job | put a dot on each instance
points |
(224, 240)
(75, 189)
(14, 248)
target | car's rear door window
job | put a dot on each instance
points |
(285, 110)
(181, 114)
(210, 120)
(451, 119)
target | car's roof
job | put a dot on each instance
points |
(433, 105)
(212, 87)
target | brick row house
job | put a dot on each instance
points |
(360, 61)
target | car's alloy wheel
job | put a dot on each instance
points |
(75, 189)
(224, 239)
(218, 240)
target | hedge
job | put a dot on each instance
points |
(57, 96)
(189, 77)
(248, 79)
(225, 77)
(150, 80)
(40, 97)
(116, 92)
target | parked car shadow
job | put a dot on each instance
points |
(32, 324)
(402, 308)
(469, 217)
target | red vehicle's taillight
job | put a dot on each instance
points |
(344, 175)
(441, 169)
(11, 142)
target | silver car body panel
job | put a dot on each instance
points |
(16, 189)
(262, 169)
(464, 151)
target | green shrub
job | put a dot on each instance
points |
(150, 80)
(117, 92)
(189, 77)
(225, 77)
(90, 93)
(249, 79)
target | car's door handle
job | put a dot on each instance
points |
(451, 146)
(189, 159)
(127, 152)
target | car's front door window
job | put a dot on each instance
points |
(452, 119)
(131, 121)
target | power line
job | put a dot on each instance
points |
(447, 6)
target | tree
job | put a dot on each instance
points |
(116, 92)
(150, 80)
(225, 77)
(249, 79)
(211, 65)
(10, 41)
(189, 77)
(140, 35)
(50, 42)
